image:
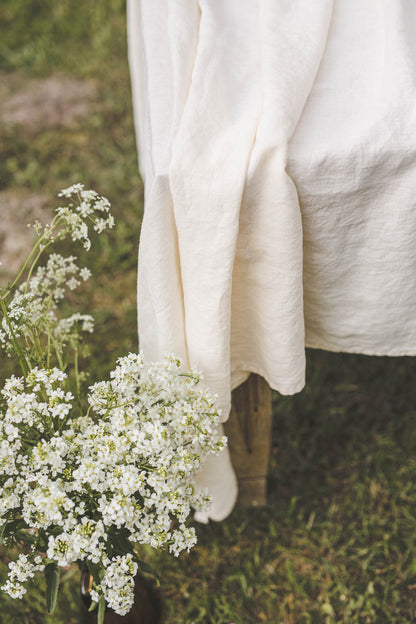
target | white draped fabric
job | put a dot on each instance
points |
(276, 141)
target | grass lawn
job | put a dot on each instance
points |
(337, 541)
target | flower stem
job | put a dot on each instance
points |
(76, 369)
(22, 360)
(26, 262)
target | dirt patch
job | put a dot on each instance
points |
(35, 104)
(16, 239)
(45, 103)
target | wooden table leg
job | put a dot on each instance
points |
(249, 438)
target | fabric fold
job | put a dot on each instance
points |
(218, 89)
(267, 305)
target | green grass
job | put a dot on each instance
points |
(337, 541)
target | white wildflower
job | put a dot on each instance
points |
(182, 539)
(71, 190)
(125, 466)
(20, 571)
(89, 210)
(85, 274)
(118, 583)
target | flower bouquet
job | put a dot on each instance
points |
(87, 475)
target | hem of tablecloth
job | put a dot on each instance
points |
(241, 373)
(243, 370)
(359, 350)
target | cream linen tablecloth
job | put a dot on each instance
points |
(276, 141)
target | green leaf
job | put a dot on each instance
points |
(328, 609)
(93, 605)
(52, 574)
(94, 569)
(145, 567)
(11, 529)
(29, 538)
(101, 610)
(120, 541)
(2, 532)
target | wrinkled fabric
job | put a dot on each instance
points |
(276, 143)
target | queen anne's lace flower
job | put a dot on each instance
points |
(33, 308)
(91, 208)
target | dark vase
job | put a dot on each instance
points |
(147, 607)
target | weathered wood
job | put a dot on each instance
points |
(249, 437)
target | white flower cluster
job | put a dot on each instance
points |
(60, 272)
(118, 584)
(33, 307)
(90, 488)
(92, 207)
(21, 571)
(30, 309)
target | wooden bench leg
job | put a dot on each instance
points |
(249, 438)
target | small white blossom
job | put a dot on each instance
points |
(20, 571)
(85, 274)
(118, 583)
(89, 210)
(71, 190)
(130, 462)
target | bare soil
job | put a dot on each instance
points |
(16, 238)
(35, 105)
(46, 102)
